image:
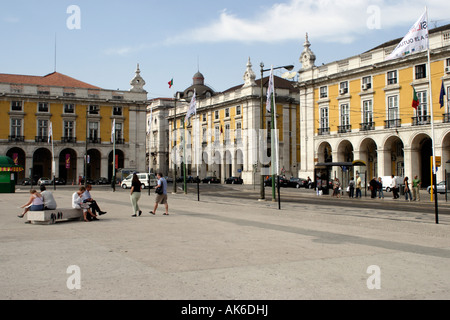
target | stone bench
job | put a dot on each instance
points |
(53, 216)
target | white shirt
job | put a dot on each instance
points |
(76, 201)
(394, 183)
(49, 200)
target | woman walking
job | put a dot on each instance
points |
(407, 189)
(135, 194)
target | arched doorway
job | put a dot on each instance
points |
(93, 170)
(239, 158)
(228, 163)
(120, 160)
(42, 163)
(18, 155)
(421, 152)
(324, 152)
(68, 165)
(394, 157)
(369, 154)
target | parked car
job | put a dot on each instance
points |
(102, 180)
(44, 181)
(143, 178)
(27, 181)
(211, 180)
(440, 187)
(298, 183)
(168, 179)
(234, 180)
(59, 181)
(283, 182)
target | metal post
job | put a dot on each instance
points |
(174, 145)
(261, 126)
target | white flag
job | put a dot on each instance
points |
(113, 131)
(415, 41)
(270, 91)
(50, 132)
(192, 108)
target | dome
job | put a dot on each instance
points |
(198, 84)
(198, 78)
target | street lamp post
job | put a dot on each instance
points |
(289, 68)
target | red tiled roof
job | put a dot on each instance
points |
(54, 79)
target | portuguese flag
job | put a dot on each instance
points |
(170, 83)
(415, 102)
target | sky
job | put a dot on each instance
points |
(101, 42)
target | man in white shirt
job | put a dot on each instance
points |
(394, 187)
(49, 200)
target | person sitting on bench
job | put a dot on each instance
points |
(77, 203)
(47, 197)
(35, 203)
(88, 198)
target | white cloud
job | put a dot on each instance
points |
(340, 21)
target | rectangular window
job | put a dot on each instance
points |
(422, 109)
(16, 105)
(16, 127)
(366, 83)
(69, 108)
(323, 92)
(324, 118)
(216, 114)
(204, 117)
(42, 128)
(227, 133)
(345, 115)
(421, 71)
(343, 87)
(93, 130)
(367, 112)
(43, 107)
(393, 108)
(227, 112)
(93, 109)
(119, 129)
(216, 134)
(392, 77)
(68, 129)
(117, 111)
(238, 110)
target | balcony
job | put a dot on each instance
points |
(16, 138)
(396, 123)
(120, 141)
(323, 131)
(40, 139)
(68, 139)
(446, 117)
(366, 126)
(344, 129)
(94, 140)
(421, 120)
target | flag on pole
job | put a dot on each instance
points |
(441, 96)
(270, 91)
(415, 102)
(192, 108)
(50, 132)
(416, 40)
(170, 83)
(113, 130)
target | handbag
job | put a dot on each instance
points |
(159, 190)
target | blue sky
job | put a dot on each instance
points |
(172, 39)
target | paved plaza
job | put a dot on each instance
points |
(225, 248)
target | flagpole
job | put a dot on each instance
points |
(149, 133)
(198, 154)
(114, 157)
(432, 127)
(53, 157)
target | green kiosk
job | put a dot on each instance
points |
(7, 174)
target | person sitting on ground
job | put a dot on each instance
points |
(88, 198)
(77, 203)
(47, 197)
(35, 203)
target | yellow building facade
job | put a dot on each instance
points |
(78, 120)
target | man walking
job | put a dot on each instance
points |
(358, 186)
(161, 198)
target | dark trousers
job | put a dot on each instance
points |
(94, 207)
(395, 193)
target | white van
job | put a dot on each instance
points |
(387, 182)
(143, 178)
